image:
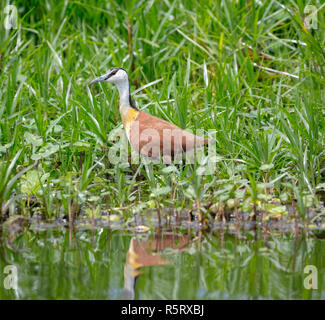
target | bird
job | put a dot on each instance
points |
(150, 136)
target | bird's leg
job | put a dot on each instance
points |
(198, 208)
(158, 213)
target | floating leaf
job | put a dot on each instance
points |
(274, 211)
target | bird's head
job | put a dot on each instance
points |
(117, 76)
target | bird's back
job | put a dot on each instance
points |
(155, 137)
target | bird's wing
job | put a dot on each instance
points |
(153, 137)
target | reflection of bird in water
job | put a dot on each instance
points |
(144, 253)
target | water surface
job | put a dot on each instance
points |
(55, 261)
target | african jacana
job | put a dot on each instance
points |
(148, 135)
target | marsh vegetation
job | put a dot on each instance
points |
(252, 71)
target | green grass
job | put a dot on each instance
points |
(247, 69)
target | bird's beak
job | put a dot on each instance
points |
(99, 79)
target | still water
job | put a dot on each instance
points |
(103, 262)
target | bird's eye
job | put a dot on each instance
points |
(112, 73)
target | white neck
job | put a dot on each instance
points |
(124, 91)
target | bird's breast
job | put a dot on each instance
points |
(128, 115)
